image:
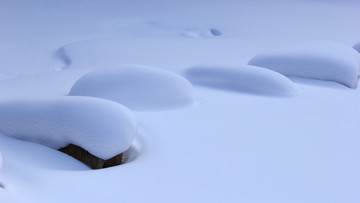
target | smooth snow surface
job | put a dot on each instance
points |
(244, 79)
(102, 127)
(137, 87)
(317, 60)
(230, 146)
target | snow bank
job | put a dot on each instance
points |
(137, 87)
(317, 60)
(357, 47)
(102, 127)
(249, 79)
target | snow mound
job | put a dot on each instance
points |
(0, 160)
(357, 47)
(137, 87)
(102, 127)
(317, 60)
(249, 79)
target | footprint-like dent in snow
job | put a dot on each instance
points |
(137, 87)
(207, 33)
(316, 60)
(245, 79)
(357, 47)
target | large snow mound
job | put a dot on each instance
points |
(317, 60)
(102, 127)
(137, 87)
(248, 79)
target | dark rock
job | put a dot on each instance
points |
(93, 161)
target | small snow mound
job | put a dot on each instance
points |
(317, 60)
(1, 160)
(248, 79)
(137, 87)
(102, 127)
(357, 47)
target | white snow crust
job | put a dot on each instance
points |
(102, 127)
(318, 60)
(246, 79)
(137, 87)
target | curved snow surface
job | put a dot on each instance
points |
(249, 79)
(102, 127)
(137, 87)
(357, 47)
(317, 60)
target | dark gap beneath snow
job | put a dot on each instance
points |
(93, 161)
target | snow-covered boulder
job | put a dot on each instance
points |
(137, 87)
(357, 47)
(103, 128)
(248, 79)
(317, 60)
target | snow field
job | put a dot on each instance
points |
(317, 60)
(244, 79)
(102, 127)
(137, 87)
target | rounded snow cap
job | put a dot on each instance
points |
(137, 87)
(317, 60)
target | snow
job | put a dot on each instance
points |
(229, 146)
(357, 47)
(245, 79)
(317, 60)
(137, 87)
(102, 127)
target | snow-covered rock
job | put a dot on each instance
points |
(317, 60)
(248, 79)
(102, 127)
(357, 47)
(137, 87)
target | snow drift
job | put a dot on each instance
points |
(137, 87)
(317, 60)
(248, 79)
(102, 127)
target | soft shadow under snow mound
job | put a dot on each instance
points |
(245, 79)
(137, 87)
(317, 60)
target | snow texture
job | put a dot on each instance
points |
(357, 47)
(248, 79)
(317, 60)
(102, 127)
(137, 87)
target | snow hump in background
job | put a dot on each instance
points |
(317, 60)
(102, 127)
(247, 79)
(357, 47)
(137, 87)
